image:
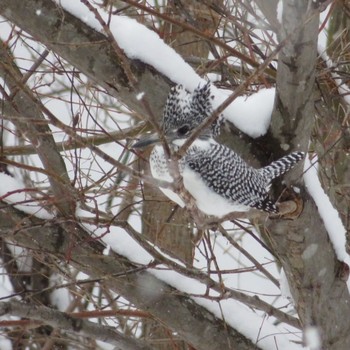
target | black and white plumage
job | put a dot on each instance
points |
(220, 181)
(185, 109)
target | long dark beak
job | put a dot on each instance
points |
(146, 141)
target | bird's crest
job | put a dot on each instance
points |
(183, 107)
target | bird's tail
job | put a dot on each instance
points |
(282, 165)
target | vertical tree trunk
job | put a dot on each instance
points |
(165, 223)
(314, 292)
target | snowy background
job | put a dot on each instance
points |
(99, 113)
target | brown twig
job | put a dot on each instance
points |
(249, 256)
(69, 145)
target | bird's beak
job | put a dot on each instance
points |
(151, 139)
(146, 141)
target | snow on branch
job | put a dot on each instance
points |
(251, 114)
(329, 215)
(194, 284)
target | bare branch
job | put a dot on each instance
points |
(97, 140)
(26, 106)
(141, 288)
(64, 321)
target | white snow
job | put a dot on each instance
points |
(14, 192)
(138, 42)
(279, 11)
(5, 344)
(249, 323)
(312, 338)
(260, 331)
(59, 297)
(140, 95)
(118, 240)
(296, 189)
(250, 114)
(328, 213)
(252, 325)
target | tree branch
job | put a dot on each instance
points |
(88, 51)
(37, 131)
(141, 288)
(320, 294)
(62, 320)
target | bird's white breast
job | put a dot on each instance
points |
(160, 171)
(207, 200)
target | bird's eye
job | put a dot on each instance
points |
(183, 130)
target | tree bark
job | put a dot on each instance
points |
(334, 123)
(320, 294)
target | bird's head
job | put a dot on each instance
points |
(183, 112)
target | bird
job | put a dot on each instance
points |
(219, 180)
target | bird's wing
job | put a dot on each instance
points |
(228, 175)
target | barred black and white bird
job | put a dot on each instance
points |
(220, 181)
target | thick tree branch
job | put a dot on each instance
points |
(269, 9)
(88, 51)
(32, 124)
(319, 291)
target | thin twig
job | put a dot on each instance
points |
(249, 256)
(224, 291)
(201, 34)
(69, 145)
